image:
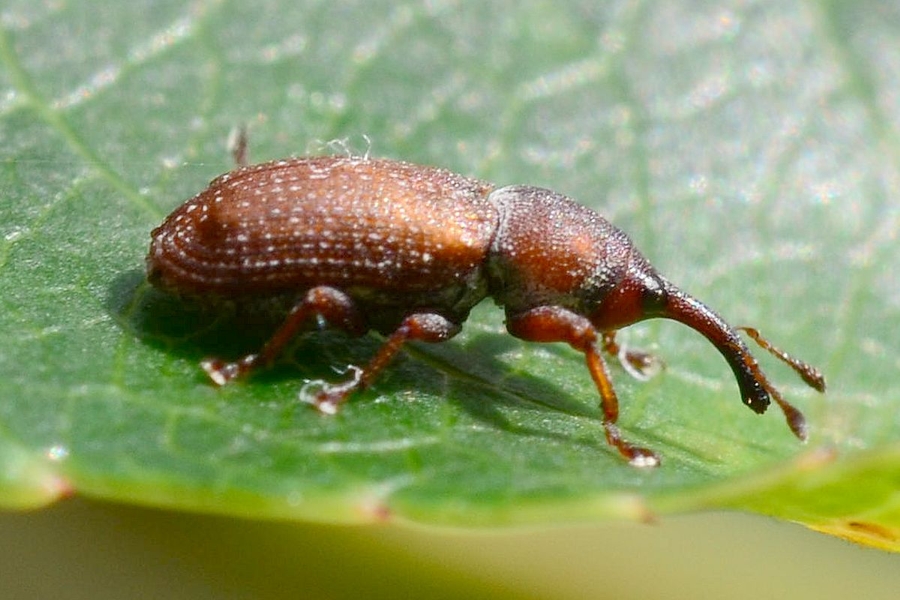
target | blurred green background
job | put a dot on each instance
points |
(81, 549)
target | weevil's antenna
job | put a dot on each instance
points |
(808, 373)
(756, 390)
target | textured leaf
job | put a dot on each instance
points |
(750, 151)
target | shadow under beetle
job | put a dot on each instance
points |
(408, 250)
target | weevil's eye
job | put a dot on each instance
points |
(654, 297)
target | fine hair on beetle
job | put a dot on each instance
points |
(408, 250)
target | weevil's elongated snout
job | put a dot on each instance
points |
(696, 315)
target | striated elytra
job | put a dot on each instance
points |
(408, 250)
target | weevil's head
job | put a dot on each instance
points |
(644, 294)
(641, 293)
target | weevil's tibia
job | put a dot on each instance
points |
(557, 324)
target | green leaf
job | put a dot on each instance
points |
(749, 151)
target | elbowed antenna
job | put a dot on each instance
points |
(756, 390)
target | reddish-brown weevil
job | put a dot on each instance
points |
(408, 250)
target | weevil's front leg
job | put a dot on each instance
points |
(425, 327)
(557, 324)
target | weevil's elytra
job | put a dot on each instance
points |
(290, 225)
(408, 250)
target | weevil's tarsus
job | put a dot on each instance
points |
(424, 327)
(635, 455)
(222, 372)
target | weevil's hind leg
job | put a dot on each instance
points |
(425, 327)
(339, 310)
(640, 365)
(333, 305)
(556, 324)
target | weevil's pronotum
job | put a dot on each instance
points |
(408, 250)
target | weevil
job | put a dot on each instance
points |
(408, 250)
